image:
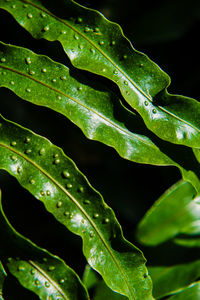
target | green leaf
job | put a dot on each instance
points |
(95, 44)
(100, 290)
(173, 213)
(35, 268)
(53, 178)
(169, 280)
(41, 81)
(38, 79)
(192, 292)
(188, 241)
(2, 277)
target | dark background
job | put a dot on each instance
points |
(168, 32)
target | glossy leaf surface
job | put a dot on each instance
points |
(41, 81)
(192, 292)
(95, 44)
(35, 268)
(52, 177)
(2, 278)
(169, 280)
(173, 213)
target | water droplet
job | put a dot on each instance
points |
(115, 72)
(106, 220)
(154, 111)
(125, 82)
(41, 151)
(80, 46)
(51, 268)
(76, 37)
(25, 5)
(79, 20)
(37, 282)
(19, 170)
(27, 151)
(27, 140)
(92, 50)
(32, 181)
(42, 193)
(70, 216)
(44, 259)
(59, 204)
(46, 28)
(62, 280)
(28, 90)
(141, 65)
(63, 77)
(66, 174)
(20, 268)
(91, 234)
(69, 186)
(55, 155)
(96, 29)
(86, 201)
(48, 193)
(125, 56)
(59, 97)
(113, 43)
(29, 15)
(79, 88)
(103, 70)
(3, 59)
(12, 82)
(13, 143)
(63, 32)
(73, 50)
(87, 29)
(42, 14)
(43, 70)
(53, 80)
(56, 161)
(127, 93)
(66, 213)
(33, 272)
(31, 72)
(101, 42)
(145, 275)
(28, 60)
(146, 103)
(81, 189)
(96, 216)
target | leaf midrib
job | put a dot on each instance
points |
(129, 133)
(110, 60)
(78, 205)
(33, 264)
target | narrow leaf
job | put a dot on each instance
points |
(173, 213)
(95, 44)
(41, 81)
(35, 268)
(2, 278)
(188, 241)
(192, 292)
(169, 280)
(51, 177)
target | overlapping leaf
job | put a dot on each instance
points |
(170, 280)
(173, 213)
(36, 269)
(2, 278)
(97, 45)
(192, 292)
(51, 177)
(41, 81)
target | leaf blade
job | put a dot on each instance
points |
(142, 83)
(170, 215)
(54, 179)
